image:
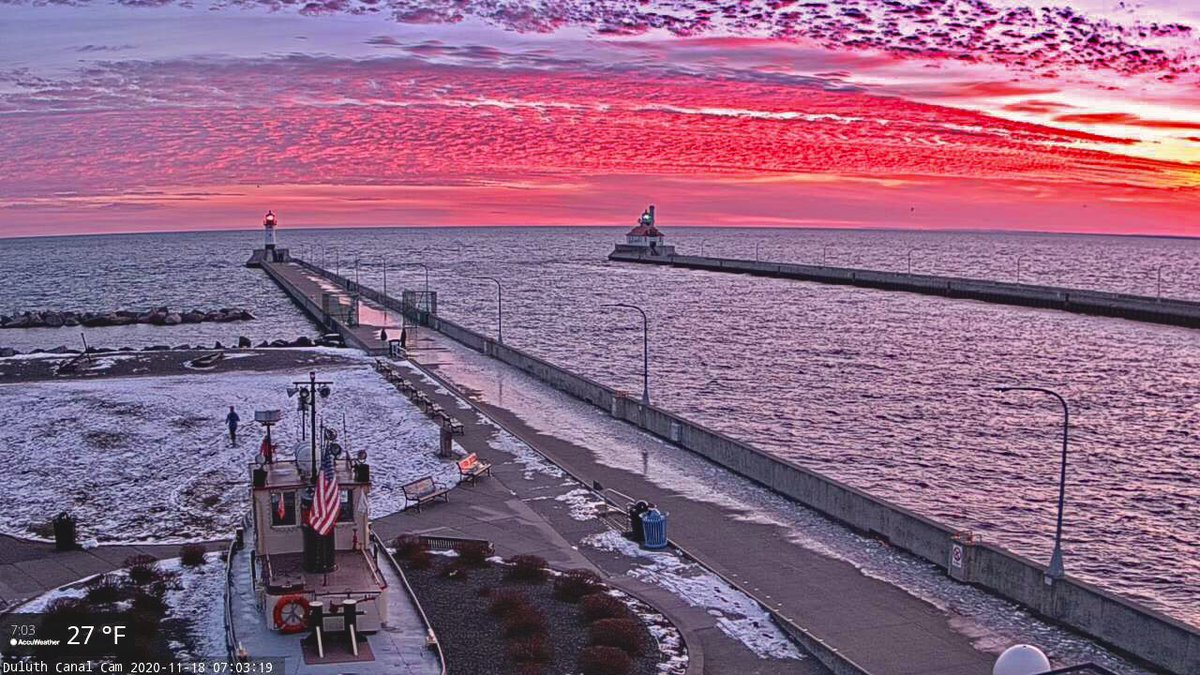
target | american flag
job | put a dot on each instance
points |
(327, 502)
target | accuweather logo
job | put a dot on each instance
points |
(34, 642)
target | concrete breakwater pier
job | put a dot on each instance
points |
(1120, 623)
(1135, 307)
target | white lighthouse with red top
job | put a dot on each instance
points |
(269, 231)
(645, 238)
(269, 253)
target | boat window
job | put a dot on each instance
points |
(346, 515)
(283, 508)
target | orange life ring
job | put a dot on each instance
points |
(291, 613)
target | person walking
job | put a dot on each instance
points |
(231, 421)
(403, 339)
(383, 335)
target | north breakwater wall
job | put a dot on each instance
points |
(1122, 624)
(1134, 307)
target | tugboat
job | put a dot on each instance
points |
(310, 588)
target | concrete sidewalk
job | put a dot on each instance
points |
(882, 628)
(518, 510)
(29, 568)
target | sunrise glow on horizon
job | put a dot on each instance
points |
(955, 114)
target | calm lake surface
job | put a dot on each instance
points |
(890, 392)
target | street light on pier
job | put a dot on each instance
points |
(910, 252)
(1019, 259)
(757, 244)
(499, 307)
(1158, 285)
(645, 348)
(426, 268)
(702, 243)
(1056, 559)
(824, 255)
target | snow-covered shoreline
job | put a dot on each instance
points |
(147, 459)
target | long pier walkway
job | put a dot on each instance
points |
(531, 508)
(881, 628)
(1134, 307)
(308, 290)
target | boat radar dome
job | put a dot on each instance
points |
(1021, 660)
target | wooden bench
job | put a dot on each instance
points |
(452, 424)
(422, 400)
(470, 469)
(423, 490)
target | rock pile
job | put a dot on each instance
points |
(243, 343)
(162, 316)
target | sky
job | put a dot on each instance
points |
(147, 115)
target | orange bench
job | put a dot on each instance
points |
(470, 469)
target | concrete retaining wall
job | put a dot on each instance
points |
(1120, 623)
(1135, 307)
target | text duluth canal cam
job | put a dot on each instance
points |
(654, 337)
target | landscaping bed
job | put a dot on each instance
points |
(518, 617)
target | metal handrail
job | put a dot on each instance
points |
(453, 543)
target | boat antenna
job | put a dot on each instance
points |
(345, 436)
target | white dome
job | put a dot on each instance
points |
(1021, 660)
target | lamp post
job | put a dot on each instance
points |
(702, 243)
(910, 252)
(1056, 559)
(757, 244)
(824, 255)
(645, 348)
(1019, 259)
(499, 307)
(385, 295)
(1158, 285)
(426, 268)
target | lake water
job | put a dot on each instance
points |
(890, 392)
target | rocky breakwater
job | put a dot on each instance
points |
(161, 316)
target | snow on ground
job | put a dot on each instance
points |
(670, 641)
(584, 503)
(192, 599)
(991, 622)
(737, 614)
(197, 600)
(148, 459)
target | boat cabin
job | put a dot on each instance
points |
(294, 566)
